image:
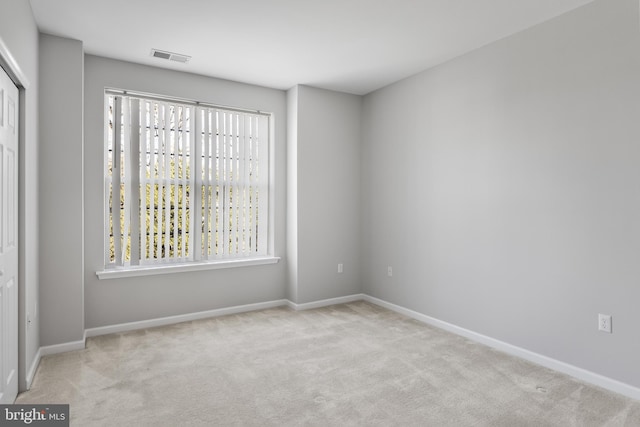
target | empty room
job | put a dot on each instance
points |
(320, 213)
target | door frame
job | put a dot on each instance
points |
(13, 69)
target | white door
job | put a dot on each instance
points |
(8, 239)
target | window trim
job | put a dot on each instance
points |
(183, 101)
(151, 270)
(147, 269)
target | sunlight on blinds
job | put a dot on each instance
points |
(183, 182)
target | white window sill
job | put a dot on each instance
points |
(149, 270)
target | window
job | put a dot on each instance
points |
(185, 183)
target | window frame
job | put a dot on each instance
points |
(195, 263)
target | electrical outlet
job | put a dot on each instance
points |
(340, 268)
(604, 323)
(389, 271)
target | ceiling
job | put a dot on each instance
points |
(353, 46)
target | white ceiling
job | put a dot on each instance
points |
(353, 46)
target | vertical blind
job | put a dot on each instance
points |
(184, 182)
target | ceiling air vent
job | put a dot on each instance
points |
(171, 56)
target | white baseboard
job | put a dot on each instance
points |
(556, 365)
(170, 320)
(63, 348)
(31, 373)
(574, 371)
(325, 302)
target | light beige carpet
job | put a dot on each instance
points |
(353, 364)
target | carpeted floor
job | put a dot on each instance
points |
(352, 364)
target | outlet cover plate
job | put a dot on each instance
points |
(604, 323)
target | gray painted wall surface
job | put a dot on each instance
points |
(292, 194)
(327, 188)
(19, 33)
(115, 301)
(61, 218)
(502, 187)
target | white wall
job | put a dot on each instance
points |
(324, 198)
(61, 191)
(503, 188)
(19, 33)
(115, 301)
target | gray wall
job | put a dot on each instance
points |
(292, 194)
(502, 187)
(114, 301)
(61, 190)
(324, 163)
(19, 33)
